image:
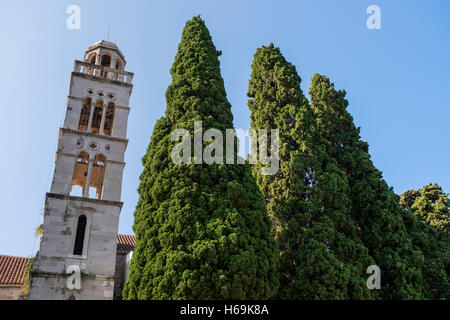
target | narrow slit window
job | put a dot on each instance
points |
(79, 237)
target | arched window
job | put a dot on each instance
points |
(97, 176)
(109, 118)
(84, 116)
(79, 236)
(93, 57)
(119, 66)
(80, 172)
(97, 117)
(106, 62)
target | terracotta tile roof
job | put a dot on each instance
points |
(125, 243)
(12, 270)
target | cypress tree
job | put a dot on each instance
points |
(426, 216)
(374, 206)
(307, 199)
(202, 231)
(431, 204)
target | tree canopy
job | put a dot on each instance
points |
(426, 216)
(308, 199)
(220, 230)
(202, 231)
(373, 206)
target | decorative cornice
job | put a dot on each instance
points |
(122, 163)
(58, 153)
(82, 99)
(83, 199)
(42, 274)
(94, 135)
(122, 107)
(101, 79)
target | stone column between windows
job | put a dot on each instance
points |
(97, 62)
(88, 180)
(102, 123)
(91, 116)
(97, 58)
(113, 66)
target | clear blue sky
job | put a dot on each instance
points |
(396, 78)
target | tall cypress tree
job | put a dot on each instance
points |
(427, 218)
(202, 231)
(373, 205)
(307, 199)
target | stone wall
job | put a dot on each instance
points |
(11, 292)
(80, 87)
(119, 277)
(55, 255)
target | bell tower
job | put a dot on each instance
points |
(82, 209)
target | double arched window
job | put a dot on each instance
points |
(88, 176)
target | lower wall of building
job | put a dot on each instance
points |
(55, 256)
(11, 292)
(54, 287)
(119, 275)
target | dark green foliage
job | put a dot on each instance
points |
(426, 215)
(202, 231)
(373, 205)
(308, 199)
(429, 203)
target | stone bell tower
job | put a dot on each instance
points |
(82, 209)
